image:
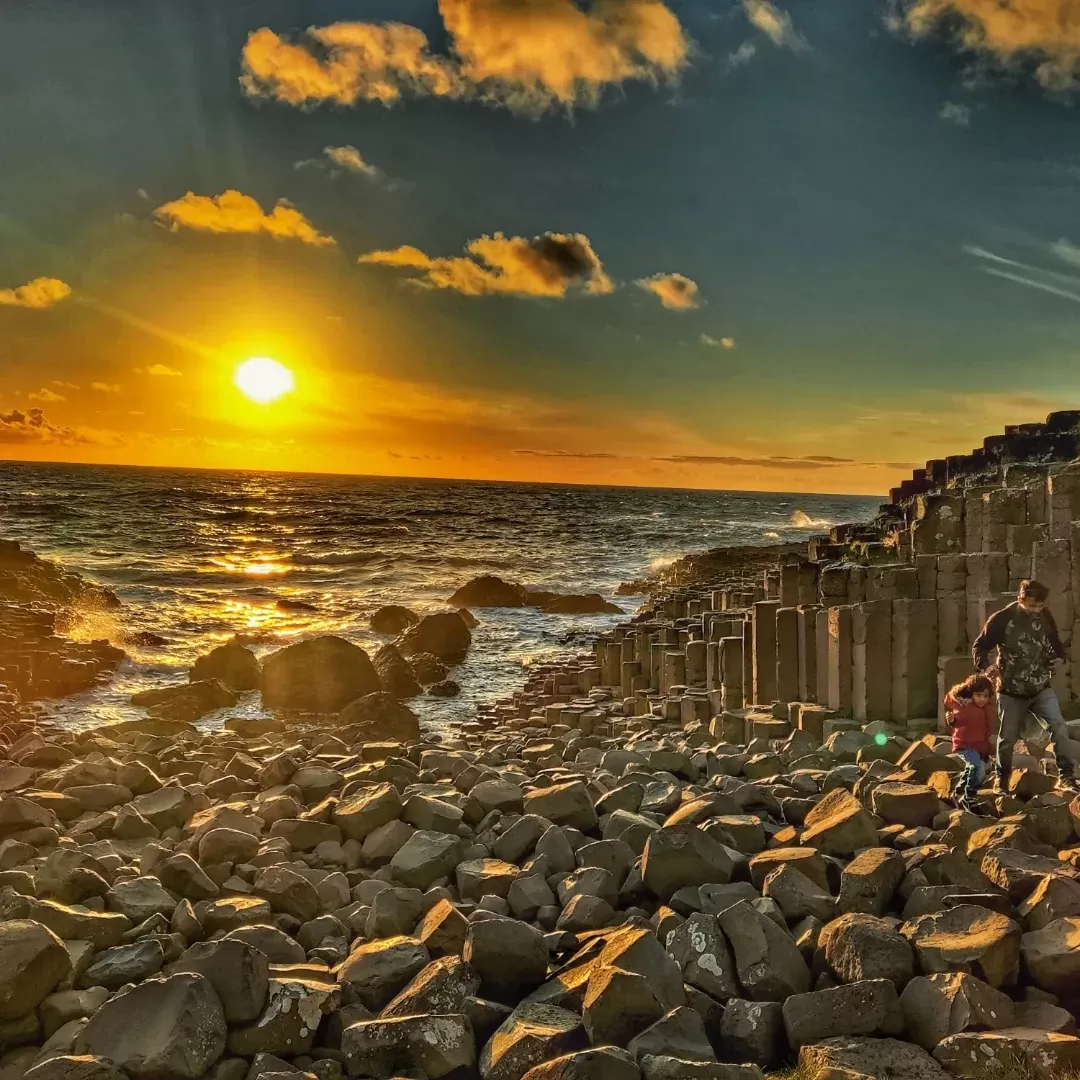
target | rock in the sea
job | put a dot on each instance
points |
(395, 673)
(572, 604)
(380, 717)
(171, 1027)
(393, 619)
(444, 635)
(444, 688)
(186, 702)
(489, 591)
(233, 665)
(428, 668)
(320, 675)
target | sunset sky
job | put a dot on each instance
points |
(693, 243)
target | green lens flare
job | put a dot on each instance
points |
(881, 738)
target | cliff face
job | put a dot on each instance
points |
(37, 597)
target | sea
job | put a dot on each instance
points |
(197, 556)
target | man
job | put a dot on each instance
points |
(1028, 646)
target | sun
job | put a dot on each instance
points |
(263, 380)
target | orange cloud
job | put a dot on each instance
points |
(348, 157)
(675, 291)
(234, 212)
(42, 292)
(46, 395)
(106, 388)
(525, 56)
(158, 369)
(1047, 31)
(31, 426)
(547, 266)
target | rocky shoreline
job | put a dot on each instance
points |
(718, 843)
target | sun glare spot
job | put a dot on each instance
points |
(263, 380)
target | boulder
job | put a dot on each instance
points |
(509, 956)
(445, 635)
(870, 1007)
(753, 1031)
(677, 856)
(1052, 956)
(704, 955)
(868, 882)
(489, 591)
(320, 675)
(595, 1063)
(967, 938)
(69, 1067)
(187, 701)
(563, 804)
(379, 717)
(1044, 1055)
(139, 898)
(295, 1006)
(393, 619)
(767, 960)
(1053, 898)
(679, 1034)
(862, 947)
(832, 1058)
(428, 668)
(395, 673)
(425, 858)
(378, 971)
(797, 896)
(444, 986)
(113, 968)
(433, 1046)
(32, 961)
(362, 813)
(635, 948)
(171, 1027)
(232, 664)
(238, 971)
(530, 1035)
(838, 825)
(911, 805)
(936, 1006)
(618, 1004)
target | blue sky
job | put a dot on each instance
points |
(878, 222)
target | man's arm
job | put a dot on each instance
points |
(1053, 635)
(993, 634)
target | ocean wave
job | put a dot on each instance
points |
(800, 519)
(339, 558)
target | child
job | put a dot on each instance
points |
(970, 715)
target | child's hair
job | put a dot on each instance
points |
(972, 685)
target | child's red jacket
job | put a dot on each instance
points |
(971, 724)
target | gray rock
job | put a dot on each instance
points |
(510, 957)
(33, 961)
(436, 1046)
(379, 970)
(238, 971)
(861, 1008)
(767, 960)
(425, 858)
(679, 1034)
(753, 1031)
(113, 968)
(680, 855)
(532, 1034)
(295, 1007)
(443, 986)
(702, 952)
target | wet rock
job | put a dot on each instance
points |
(186, 702)
(238, 971)
(436, 1046)
(323, 674)
(231, 664)
(936, 1006)
(393, 619)
(584, 604)
(967, 938)
(395, 673)
(532, 1034)
(33, 961)
(489, 591)
(380, 715)
(428, 668)
(444, 635)
(171, 1027)
(767, 960)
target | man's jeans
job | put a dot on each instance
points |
(1012, 711)
(973, 775)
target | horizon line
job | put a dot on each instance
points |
(434, 479)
